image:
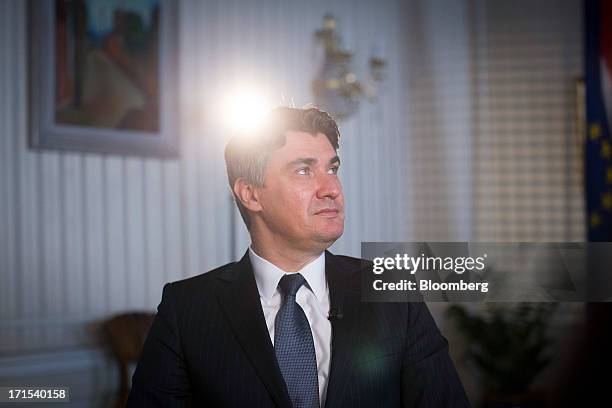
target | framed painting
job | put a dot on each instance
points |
(103, 76)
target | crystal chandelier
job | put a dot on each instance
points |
(336, 88)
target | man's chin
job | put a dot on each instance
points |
(330, 237)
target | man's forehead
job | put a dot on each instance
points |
(297, 142)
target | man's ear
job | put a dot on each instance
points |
(247, 194)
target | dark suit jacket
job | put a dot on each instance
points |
(209, 346)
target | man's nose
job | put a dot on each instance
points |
(329, 186)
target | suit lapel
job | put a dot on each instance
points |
(344, 300)
(239, 298)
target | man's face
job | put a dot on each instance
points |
(302, 201)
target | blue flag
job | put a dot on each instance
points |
(598, 149)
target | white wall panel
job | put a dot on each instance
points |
(171, 199)
(153, 239)
(51, 277)
(95, 216)
(115, 231)
(73, 244)
(135, 234)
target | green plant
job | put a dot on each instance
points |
(507, 344)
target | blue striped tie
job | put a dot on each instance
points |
(294, 346)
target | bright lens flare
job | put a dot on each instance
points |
(245, 109)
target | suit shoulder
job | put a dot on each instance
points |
(201, 281)
(352, 262)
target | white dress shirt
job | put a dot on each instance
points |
(312, 298)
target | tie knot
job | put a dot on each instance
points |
(291, 283)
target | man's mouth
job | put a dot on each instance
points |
(328, 212)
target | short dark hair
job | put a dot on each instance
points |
(247, 155)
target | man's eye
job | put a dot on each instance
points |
(304, 172)
(333, 170)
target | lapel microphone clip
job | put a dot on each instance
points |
(335, 314)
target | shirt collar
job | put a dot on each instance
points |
(267, 275)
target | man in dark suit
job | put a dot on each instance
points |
(285, 326)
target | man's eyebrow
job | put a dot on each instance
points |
(302, 160)
(309, 161)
